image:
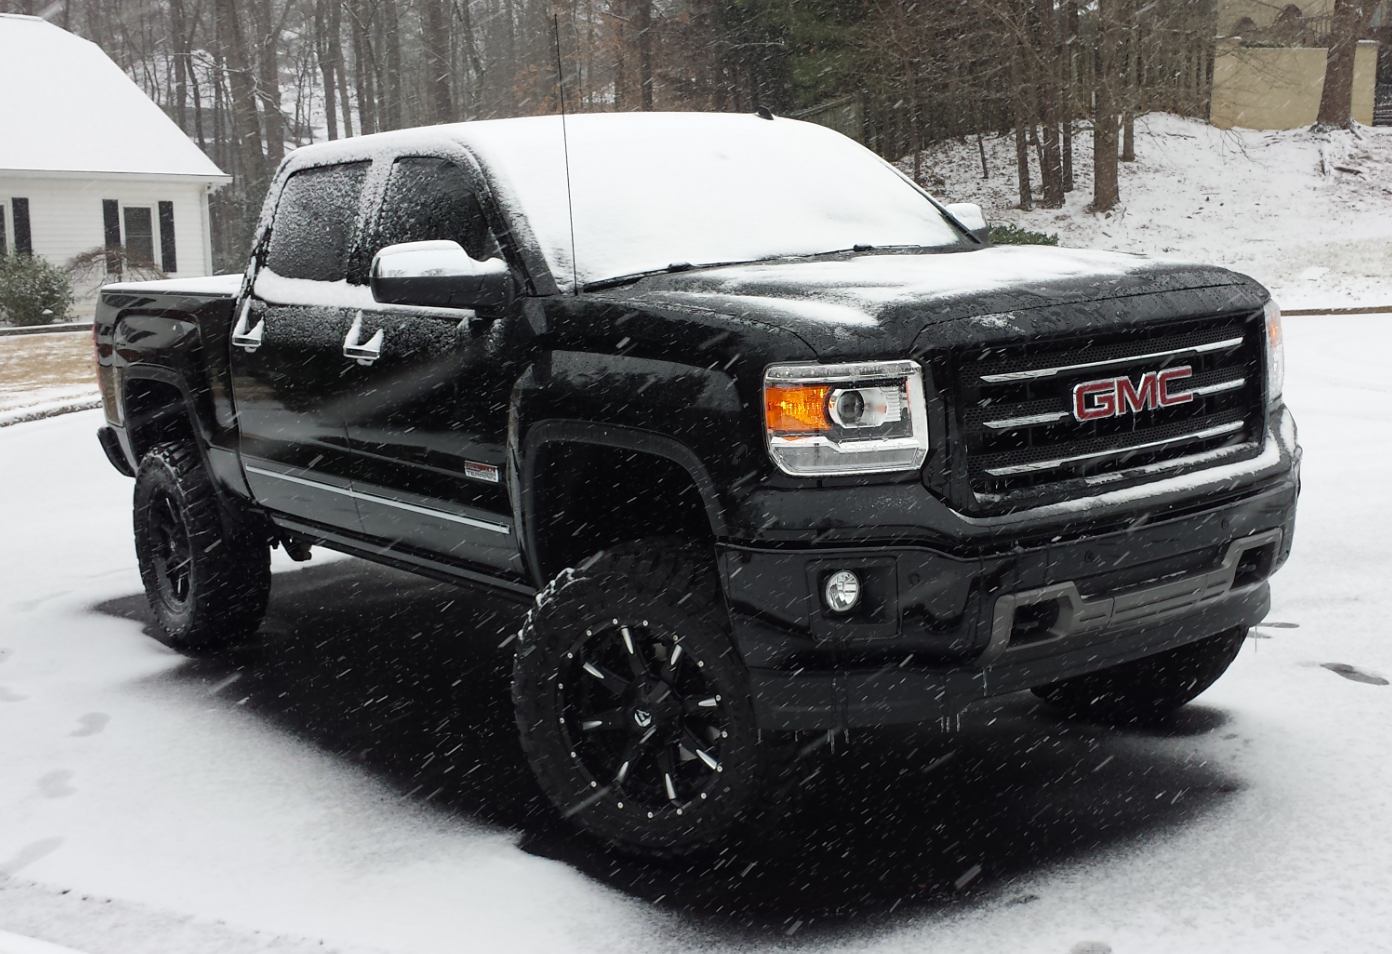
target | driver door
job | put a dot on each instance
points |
(428, 422)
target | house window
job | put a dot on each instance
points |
(168, 262)
(140, 235)
(23, 238)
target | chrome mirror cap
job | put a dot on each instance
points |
(438, 274)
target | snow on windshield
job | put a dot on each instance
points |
(657, 189)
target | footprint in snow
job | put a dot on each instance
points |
(1090, 947)
(55, 784)
(9, 695)
(92, 723)
(29, 854)
(1354, 673)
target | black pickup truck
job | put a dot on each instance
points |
(774, 444)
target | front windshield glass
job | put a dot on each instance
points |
(660, 189)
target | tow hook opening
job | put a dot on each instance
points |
(1254, 565)
(1034, 622)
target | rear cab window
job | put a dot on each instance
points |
(315, 222)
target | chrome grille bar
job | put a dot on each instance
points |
(1040, 373)
(1031, 420)
(1042, 465)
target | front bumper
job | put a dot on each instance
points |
(938, 630)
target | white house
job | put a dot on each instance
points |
(88, 160)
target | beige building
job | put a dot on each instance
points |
(1277, 87)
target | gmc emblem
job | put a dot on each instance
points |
(1114, 397)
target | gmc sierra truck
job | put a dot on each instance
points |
(772, 443)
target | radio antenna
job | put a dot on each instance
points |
(565, 144)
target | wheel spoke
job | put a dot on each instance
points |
(665, 765)
(610, 681)
(669, 671)
(613, 719)
(632, 751)
(697, 748)
(636, 662)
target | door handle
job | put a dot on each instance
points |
(363, 353)
(244, 337)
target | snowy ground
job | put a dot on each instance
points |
(45, 374)
(1308, 214)
(352, 783)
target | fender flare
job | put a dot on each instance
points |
(522, 472)
(197, 426)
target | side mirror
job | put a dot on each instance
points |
(438, 274)
(971, 217)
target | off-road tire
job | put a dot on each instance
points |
(207, 584)
(1147, 689)
(654, 595)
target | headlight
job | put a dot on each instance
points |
(863, 418)
(1275, 352)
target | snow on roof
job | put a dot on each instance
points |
(649, 190)
(68, 108)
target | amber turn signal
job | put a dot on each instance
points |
(797, 410)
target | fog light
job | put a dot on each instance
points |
(842, 591)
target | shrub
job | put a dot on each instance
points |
(1008, 234)
(33, 291)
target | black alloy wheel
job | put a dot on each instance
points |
(207, 574)
(641, 716)
(171, 552)
(634, 709)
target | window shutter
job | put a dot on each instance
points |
(111, 223)
(3, 249)
(24, 239)
(168, 262)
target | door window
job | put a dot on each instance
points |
(432, 199)
(314, 222)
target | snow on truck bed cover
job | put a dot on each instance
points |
(212, 286)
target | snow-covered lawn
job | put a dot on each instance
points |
(46, 373)
(1308, 214)
(353, 778)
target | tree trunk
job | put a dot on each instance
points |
(268, 80)
(1105, 192)
(392, 84)
(1022, 124)
(326, 65)
(1051, 156)
(363, 65)
(1070, 100)
(645, 61)
(1133, 56)
(179, 28)
(242, 89)
(1336, 102)
(436, 39)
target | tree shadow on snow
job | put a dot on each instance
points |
(406, 678)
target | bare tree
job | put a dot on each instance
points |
(1350, 20)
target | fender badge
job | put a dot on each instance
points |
(488, 473)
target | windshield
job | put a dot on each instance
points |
(660, 189)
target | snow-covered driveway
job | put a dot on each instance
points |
(353, 778)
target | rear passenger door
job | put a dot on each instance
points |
(290, 378)
(428, 425)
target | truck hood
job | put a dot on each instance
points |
(891, 304)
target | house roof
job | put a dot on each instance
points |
(68, 108)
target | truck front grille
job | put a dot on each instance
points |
(1020, 435)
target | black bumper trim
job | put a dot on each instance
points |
(802, 700)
